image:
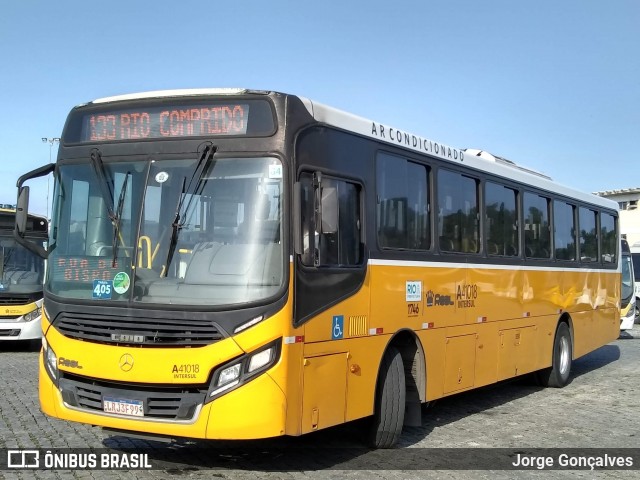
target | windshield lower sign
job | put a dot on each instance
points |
(121, 282)
(84, 269)
(102, 289)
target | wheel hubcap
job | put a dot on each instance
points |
(564, 355)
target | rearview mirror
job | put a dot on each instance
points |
(22, 209)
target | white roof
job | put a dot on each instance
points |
(621, 191)
(172, 93)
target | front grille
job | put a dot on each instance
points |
(137, 330)
(178, 403)
(15, 300)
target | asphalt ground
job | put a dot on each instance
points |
(476, 434)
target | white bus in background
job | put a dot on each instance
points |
(635, 256)
(21, 276)
(628, 300)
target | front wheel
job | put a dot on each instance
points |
(386, 424)
(558, 375)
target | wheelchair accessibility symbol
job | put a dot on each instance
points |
(337, 330)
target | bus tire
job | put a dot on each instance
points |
(388, 417)
(557, 375)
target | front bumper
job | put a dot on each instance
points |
(253, 410)
(11, 330)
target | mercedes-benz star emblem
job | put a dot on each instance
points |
(126, 362)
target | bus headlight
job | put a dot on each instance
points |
(228, 377)
(631, 312)
(50, 361)
(241, 370)
(32, 315)
(259, 360)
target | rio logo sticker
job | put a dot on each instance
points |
(413, 291)
(337, 329)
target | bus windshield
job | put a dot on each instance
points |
(20, 270)
(183, 229)
(636, 266)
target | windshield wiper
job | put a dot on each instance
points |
(2, 265)
(6, 258)
(106, 186)
(106, 191)
(203, 166)
(116, 220)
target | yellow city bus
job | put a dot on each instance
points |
(240, 264)
(21, 276)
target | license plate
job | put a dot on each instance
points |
(123, 406)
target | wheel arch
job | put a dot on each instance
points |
(414, 359)
(415, 373)
(566, 318)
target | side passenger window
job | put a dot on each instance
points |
(330, 238)
(564, 230)
(402, 203)
(501, 220)
(608, 239)
(537, 235)
(458, 221)
(588, 235)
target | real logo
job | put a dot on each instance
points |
(437, 299)
(430, 298)
(66, 362)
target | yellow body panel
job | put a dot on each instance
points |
(256, 410)
(459, 362)
(13, 310)
(476, 326)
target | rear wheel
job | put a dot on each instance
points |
(386, 424)
(558, 375)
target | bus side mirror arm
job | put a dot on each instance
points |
(325, 206)
(329, 209)
(22, 210)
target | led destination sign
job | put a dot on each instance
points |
(140, 121)
(166, 122)
(84, 269)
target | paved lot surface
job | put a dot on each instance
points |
(599, 409)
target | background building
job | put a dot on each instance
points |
(628, 199)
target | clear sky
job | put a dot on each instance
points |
(552, 85)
